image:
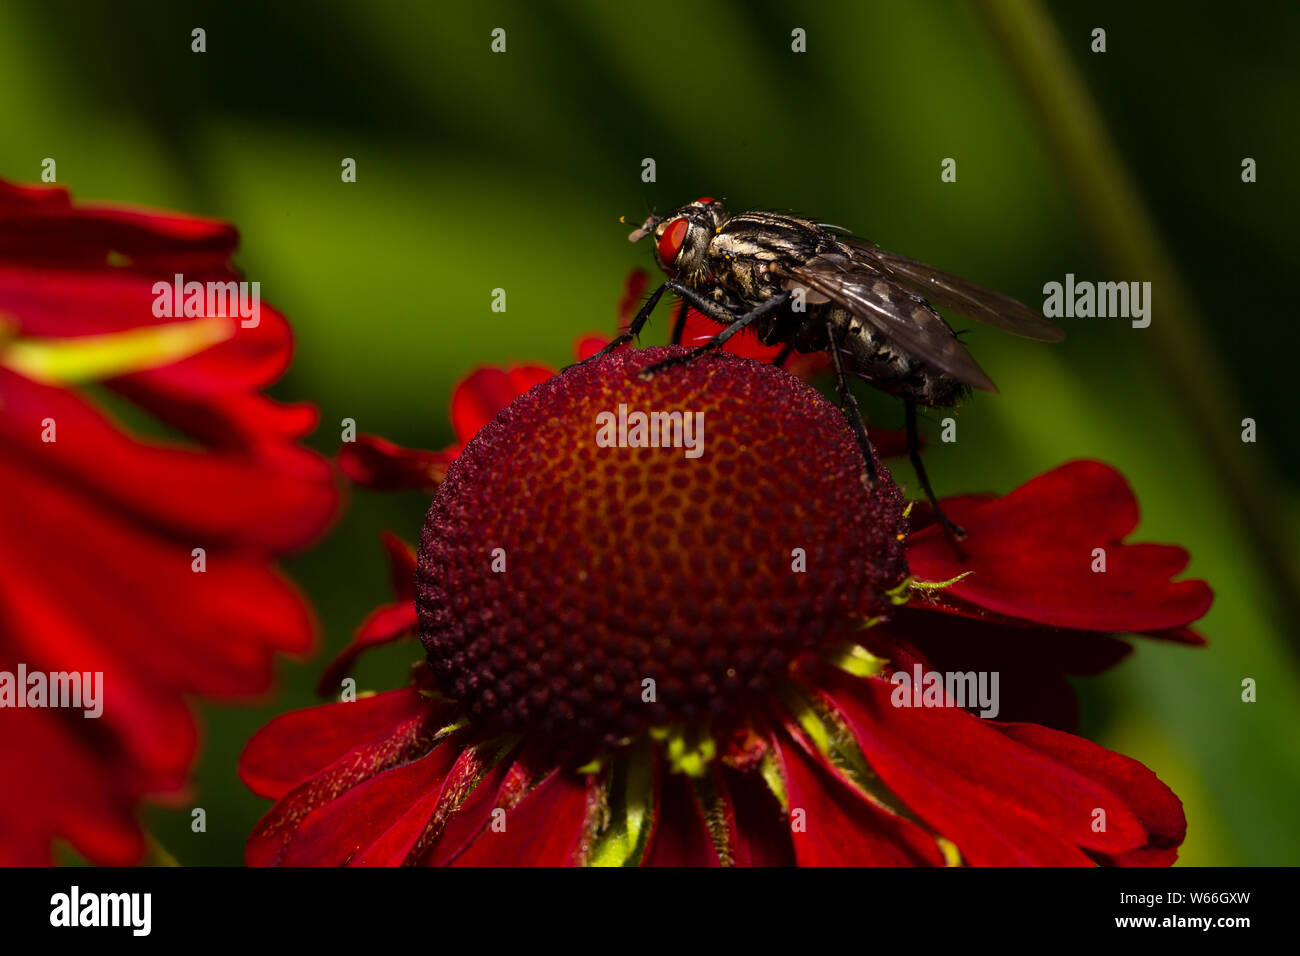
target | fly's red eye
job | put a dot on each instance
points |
(705, 200)
(670, 243)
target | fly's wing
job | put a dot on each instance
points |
(898, 313)
(961, 295)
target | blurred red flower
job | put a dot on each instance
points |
(100, 522)
(775, 735)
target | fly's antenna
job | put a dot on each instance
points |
(647, 227)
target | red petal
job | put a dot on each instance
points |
(700, 328)
(989, 644)
(478, 397)
(40, 226)
(1159, 809)
(70, 303)
(680, 837)
(762, 829)
(18, 199)
(438, 813)
(296, 746)
(466, 815)
(589, 344)
(84, 796)
(633, 289)
(375, 462)
(841, 827)
(206, 499)
(888, 444)
(385, 624)
(544, 829)
(196, 638)
(247, 422)
(958, 508)
(1179, 635)
(1031, 662)
(355, 828)
(1032, 552)
(999, 802)
(753, 827)
(108, 584)
(148, 718)
(405, 741)
(401, 565)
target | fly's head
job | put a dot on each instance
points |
(681, 239)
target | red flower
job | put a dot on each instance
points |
(99, 524)
(626, 665)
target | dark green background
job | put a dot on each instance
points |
(479, 171)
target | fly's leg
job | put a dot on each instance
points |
(954, 531)
(713, 310)
(783, 356)
(849, 404)
(633, 328)
(679, 326)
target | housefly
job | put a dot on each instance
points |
(812, 287)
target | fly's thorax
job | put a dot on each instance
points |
(784, 235)
(743, 264)
(753, 251)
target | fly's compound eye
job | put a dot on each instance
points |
(670, 243)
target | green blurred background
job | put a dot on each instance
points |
(478, 171)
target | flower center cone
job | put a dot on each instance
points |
(580, 586)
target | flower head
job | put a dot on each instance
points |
(618, 566)
(637, 657)
(146, 561)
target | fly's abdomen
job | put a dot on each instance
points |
(871, 356)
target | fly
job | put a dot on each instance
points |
(812, 287)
